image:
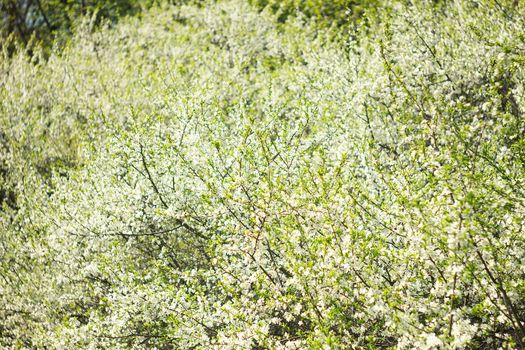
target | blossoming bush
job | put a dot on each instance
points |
(205, 177)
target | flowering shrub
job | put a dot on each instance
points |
(204, 177)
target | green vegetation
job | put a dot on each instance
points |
(327, 13)
(54, 19)
(239, 174)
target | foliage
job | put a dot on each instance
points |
(208, 177)
(336, 12)
(49, 19)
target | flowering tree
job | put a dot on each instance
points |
(208, 177)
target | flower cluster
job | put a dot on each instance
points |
(206, 177)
